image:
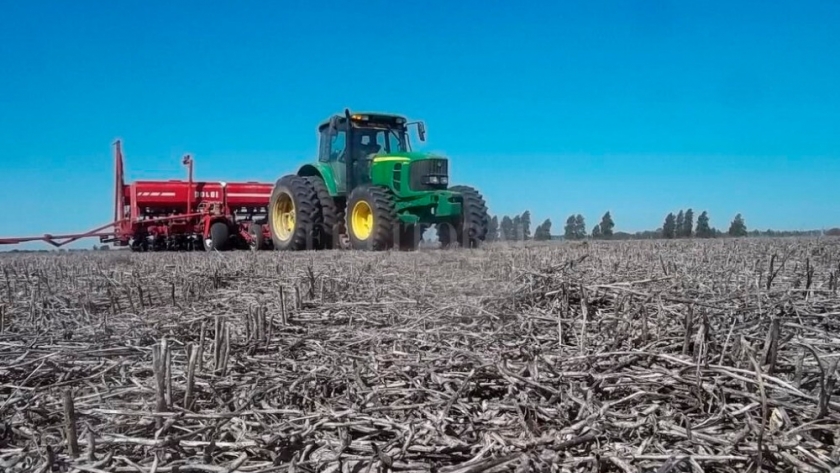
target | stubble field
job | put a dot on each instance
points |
(603, 357)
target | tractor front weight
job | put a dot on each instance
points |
(429, 208)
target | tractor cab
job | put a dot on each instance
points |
(349, 143)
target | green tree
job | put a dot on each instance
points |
(703, 228)
(580, 227)
(507, 228)
(678, 230)
(688, 224)
(493, 229)
(517, 228)
(543, 231)
(607, 225)
(669, 228)
(569, 229)
(596, 232)
(737, 227)
(526, 225)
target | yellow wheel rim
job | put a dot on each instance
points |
(283, 217)
(362, 220)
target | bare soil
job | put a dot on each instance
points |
(718, 355)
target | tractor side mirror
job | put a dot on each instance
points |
(421, 131)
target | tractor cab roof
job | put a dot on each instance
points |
(369, 118)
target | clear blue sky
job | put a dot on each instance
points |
(637, 107)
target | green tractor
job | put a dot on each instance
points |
(369, 191)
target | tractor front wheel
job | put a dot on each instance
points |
(470, 230)
(371, 218)
(293, 214)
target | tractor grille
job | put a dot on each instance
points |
(421, 170)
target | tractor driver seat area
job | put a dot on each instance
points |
(369, 150)
(367, 145)
(365, 148)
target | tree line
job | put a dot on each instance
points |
(517, 228)
(675, 225)
(681, 225)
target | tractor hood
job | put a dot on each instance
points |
(412, 170)
(409, 155)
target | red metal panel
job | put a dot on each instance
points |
(175, 193)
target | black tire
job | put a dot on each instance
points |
(305, 209)
(219, 236)
(471, 229)
(378, 203)
(341, 239)
(327, 232)
(139, 245)
(257, 237)
(410, 236)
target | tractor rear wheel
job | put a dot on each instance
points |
(371, 218)
(471, 228)
(293, 214)
(329, 229)
(341, 239)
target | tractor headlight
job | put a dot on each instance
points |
(436, 180)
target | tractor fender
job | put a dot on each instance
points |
(320, 170)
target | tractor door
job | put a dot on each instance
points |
(333, 153)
